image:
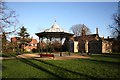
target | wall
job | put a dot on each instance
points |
(106, 47)
(75, 46)
(95, 46)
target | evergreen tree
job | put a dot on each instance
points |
(24, 38)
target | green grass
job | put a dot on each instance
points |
(99, 66)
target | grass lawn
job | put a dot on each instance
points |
(98, 66)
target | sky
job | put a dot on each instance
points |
(37, 16)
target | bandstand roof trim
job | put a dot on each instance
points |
(54, 34)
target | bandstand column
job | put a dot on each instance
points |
(69, 44)
(50, 45)
(47, 46)
(61, 46)
(39, 46)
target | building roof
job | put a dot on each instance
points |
(87, 37)
(14, 39)
(55, 28)
(107, 39)
(34, 41)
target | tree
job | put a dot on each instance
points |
(8, 19)
(4, 42)
(8, 22)
(24, 40)
(78, 29)
(115, 27)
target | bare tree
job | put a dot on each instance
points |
(8, 19)
(115, 27)
(78, 28)
(8, 22)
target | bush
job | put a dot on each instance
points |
(34, 50)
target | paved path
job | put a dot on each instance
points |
(57, 57)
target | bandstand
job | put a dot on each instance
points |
(54, 32)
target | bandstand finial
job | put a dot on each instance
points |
(55, 20)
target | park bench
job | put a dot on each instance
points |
(47, 55)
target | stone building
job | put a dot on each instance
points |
(107, 45)
(92, 43)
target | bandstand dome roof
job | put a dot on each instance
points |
(54, 31)
(54, 28)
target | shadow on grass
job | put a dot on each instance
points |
(9, 54)
(107, 55)
(113, 59)
(3, 67)
(63, 69)
(103, 61)
(38, 67)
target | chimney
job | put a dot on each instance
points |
(96, 30)
(83, 32)
(103, 37)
